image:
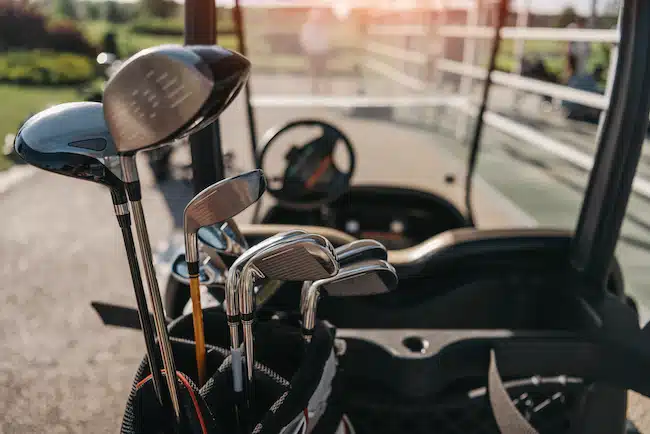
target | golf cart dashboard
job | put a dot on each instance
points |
(398, 218)
(489, 275)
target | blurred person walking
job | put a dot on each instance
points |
(579, 50)
(314, 40)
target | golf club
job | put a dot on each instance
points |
(303, 257)
(208, 274)
(225, 239)
(362, 278)
(156, 96)
(215, 204)
(233, 316)
(72, 139)
(354, 251)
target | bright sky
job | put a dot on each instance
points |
(540, 6)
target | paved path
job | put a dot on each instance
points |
(60, 368)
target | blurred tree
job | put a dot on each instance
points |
(113, 12)
(93, 10)
(567, 16)
(67, 9)
(159, 8)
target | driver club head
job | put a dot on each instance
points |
(218, 203)
(222, 240)
(169, 91)
(71, 139)
(208, 274)
(362, 278)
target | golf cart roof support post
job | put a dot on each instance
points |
(618, 152)
(205, 145)
(474, 146)
(241, 37)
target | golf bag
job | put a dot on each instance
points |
(294, 383)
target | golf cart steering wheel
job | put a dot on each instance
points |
(311, 178)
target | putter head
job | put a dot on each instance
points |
(208, 275)
(222, 240)
(360, 250)
(71, 139)
(219, 202)
(170, 91)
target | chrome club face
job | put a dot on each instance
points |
(222, 240)
(72, 139)
(347, 254)
(361, 250)
(362, 278)
(218, 203)
(209, 275)
(166, 92)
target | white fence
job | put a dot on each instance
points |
(396, 60)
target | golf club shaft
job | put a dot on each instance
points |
(132, 184)
(120, 204)
(158, 310)
(143, 311)
(199, 333)
(247, 326)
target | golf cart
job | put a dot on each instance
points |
(502, 330)
(542, 299)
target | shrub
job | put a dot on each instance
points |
(158, 26)
(65, 36)
(45, 68)
(176, 27)
(26, 29)
(21, 27)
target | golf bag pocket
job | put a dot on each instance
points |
(144, 415)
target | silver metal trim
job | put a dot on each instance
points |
(158, 309)
(392, 340)
(191, 247)
(345, 273)
(121, 209)
(129, 168)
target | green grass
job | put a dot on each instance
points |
(19, 101)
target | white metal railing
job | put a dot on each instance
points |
(397, 53)
(515, 81)
(468, 71)
(532, 34)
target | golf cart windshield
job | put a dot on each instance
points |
(404, 86)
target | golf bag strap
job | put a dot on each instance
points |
(508, 418)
